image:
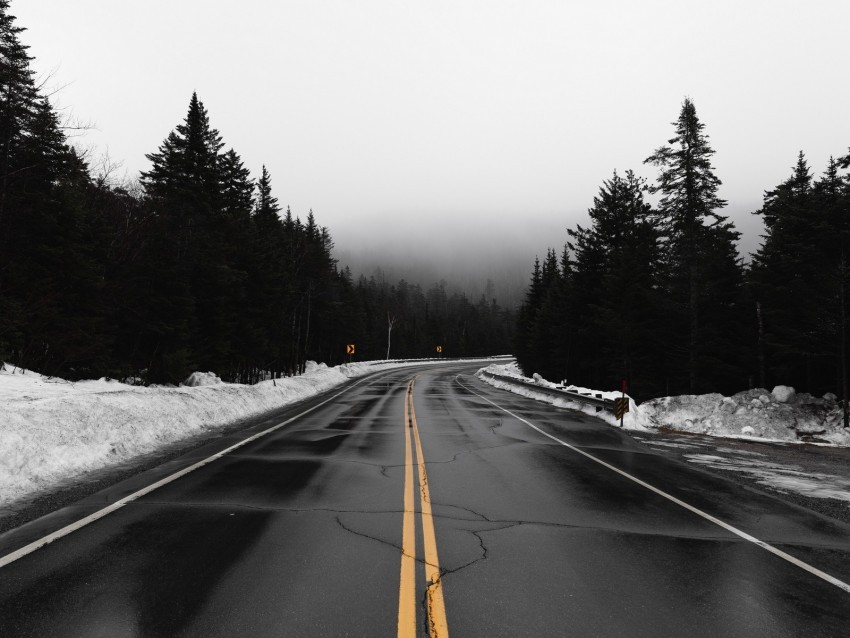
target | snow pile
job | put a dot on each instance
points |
(52, 430)
(197, 379)
(784, 394)
(781, 415)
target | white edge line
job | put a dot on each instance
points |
(64, 531)
(773, 550)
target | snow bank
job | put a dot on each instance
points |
(780, 415)
(52, 430)
(197, 379)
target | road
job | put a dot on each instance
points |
(423, 500)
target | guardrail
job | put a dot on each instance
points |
(499, 358)
(591, 399)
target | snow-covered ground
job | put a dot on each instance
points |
(759, 414)
(53, 431)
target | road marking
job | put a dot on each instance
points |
(437, 623)
(91, 518)
(773, 550)
(407, 582)
(436, 609)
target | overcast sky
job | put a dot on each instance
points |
(413, 124)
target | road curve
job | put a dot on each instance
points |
(422, 501)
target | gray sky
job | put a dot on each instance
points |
(418, 125)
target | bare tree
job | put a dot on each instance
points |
(104, 171)
(390, 323)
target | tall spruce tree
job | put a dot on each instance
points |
(185, 185)
(699, 244)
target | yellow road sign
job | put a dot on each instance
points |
(622, 406)
(349, 349)
(439, 349)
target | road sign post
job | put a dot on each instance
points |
(622, 404)
(350, 350)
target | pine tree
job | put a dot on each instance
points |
(267, 205)
(185, 185)
(525, 338)
(831, 195)
(267, 281)
(695, 235)
(237, 189)
(786, 278)
(627, 311)
(50, 281)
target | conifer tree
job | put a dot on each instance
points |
(697, 240)
(267, 205)
(185, 186)
(625, 314)
(49, 278)
(786, 280)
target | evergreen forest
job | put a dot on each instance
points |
(193, 267)
(197, 266)
(657, 294)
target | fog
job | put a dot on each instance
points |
(466, 251)
(471, 250)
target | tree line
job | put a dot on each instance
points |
(659, 296)
(194, 267)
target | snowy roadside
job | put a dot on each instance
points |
(53, 431)
(753, 436)
(816, 477)
(759, 415)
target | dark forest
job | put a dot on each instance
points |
(195, 267)
(659, 296)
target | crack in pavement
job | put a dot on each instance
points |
(508, 523)
(384, 468)
(382, 541)
(485, 520)
(484, 551)
(475, 451)
(492, 428)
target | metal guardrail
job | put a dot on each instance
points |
(595, 400)
(499, 358)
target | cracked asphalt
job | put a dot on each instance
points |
(299, 533)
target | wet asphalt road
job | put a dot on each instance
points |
(299, 533)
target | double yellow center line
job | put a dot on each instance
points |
(436, 609)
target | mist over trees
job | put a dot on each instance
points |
(659, 296)
(197, 267)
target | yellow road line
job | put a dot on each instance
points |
(438, 627)
(407, 584)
